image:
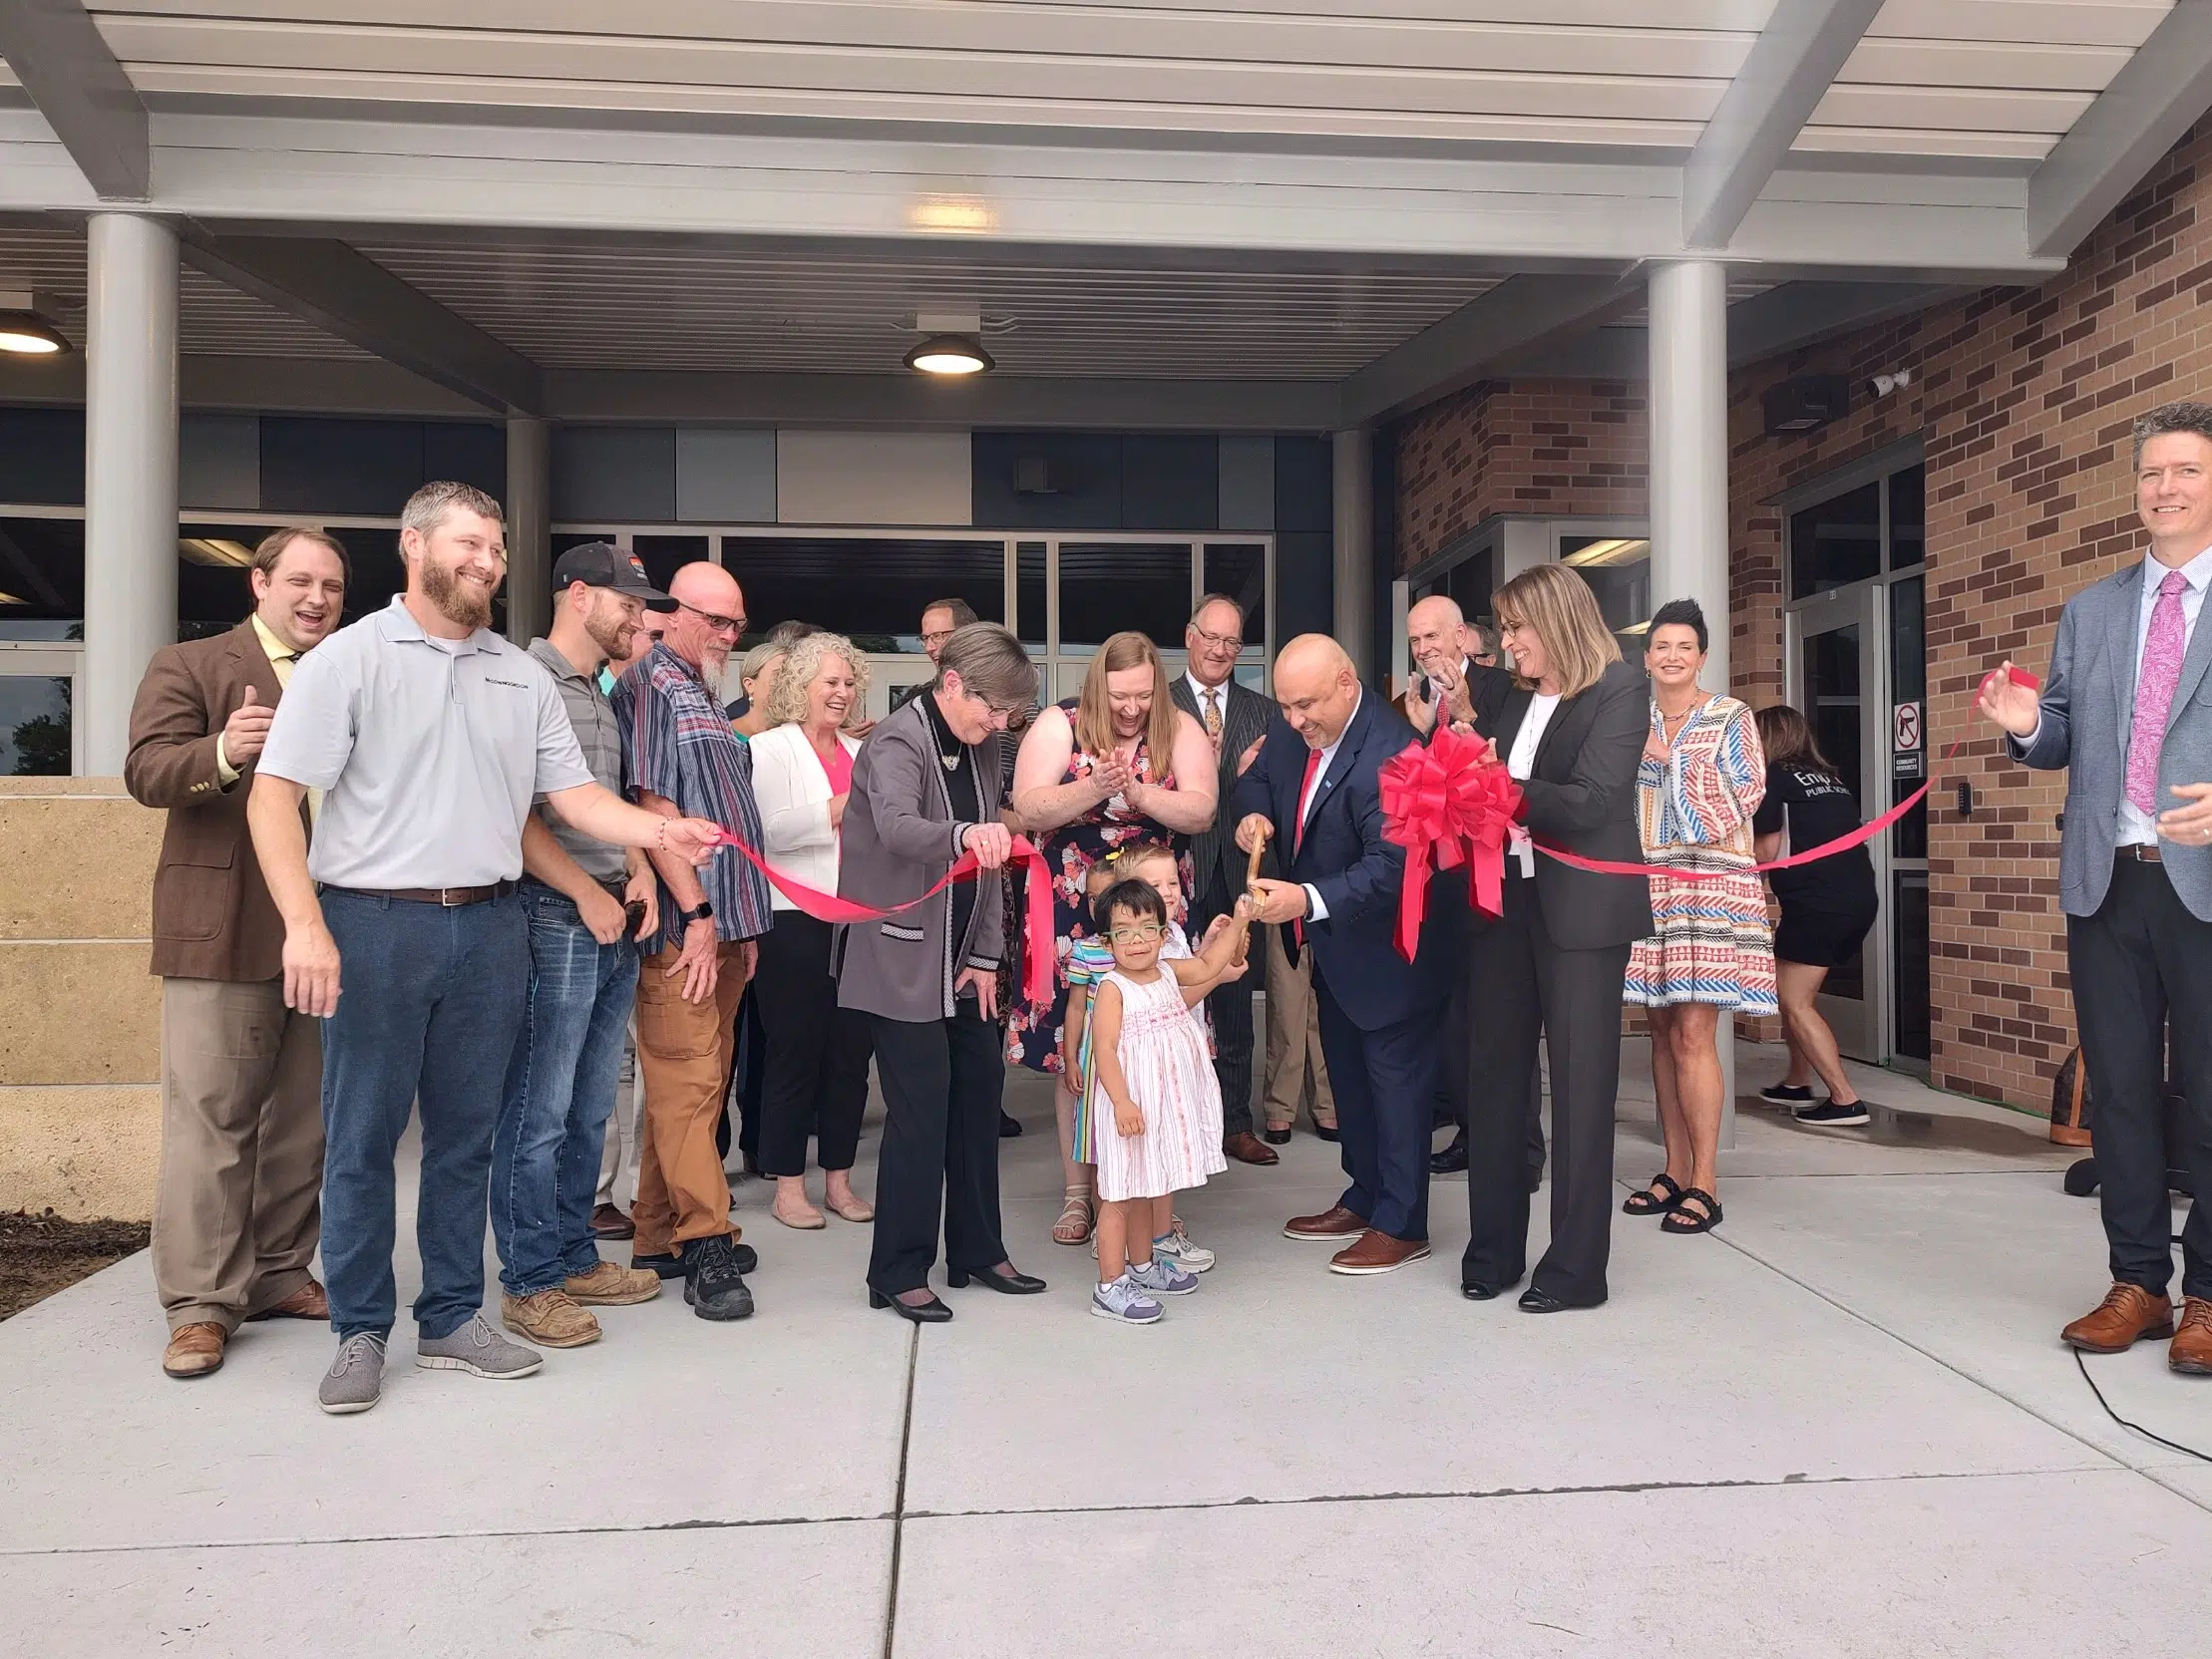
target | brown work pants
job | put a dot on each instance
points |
(1297, 1072)
(685, 1049)
(238, 1206)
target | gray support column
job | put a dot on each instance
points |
(130, 470)
(1689, 485)
(528, 522)
(1353, 493)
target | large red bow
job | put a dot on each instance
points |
(1447, 799)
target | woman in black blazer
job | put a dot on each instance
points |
(1572, 731)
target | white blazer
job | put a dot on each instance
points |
(793, 793)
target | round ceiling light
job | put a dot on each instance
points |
(30, 335)
(950, 354)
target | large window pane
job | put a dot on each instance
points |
(1909, 684)
(1109, 587)
(212, 591)
(378, 572)
(1029, 595)
(42, 578)
(1908, 517)
(870, 588)
(34, 726)
(663, 555)
(1619, 571)
(1239, 569)
(1836, 542)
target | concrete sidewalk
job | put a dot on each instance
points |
(1841, 1425)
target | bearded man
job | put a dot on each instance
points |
(429, 737)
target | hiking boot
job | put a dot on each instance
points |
(355, 1378)
(611, 1285)
(551, 1319)
(712, 1282)
(479, 1350)
(668, 1264)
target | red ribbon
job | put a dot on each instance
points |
(1037, 986)
(1446, 803)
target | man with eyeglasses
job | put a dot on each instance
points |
(681, 758)
(1235, 720)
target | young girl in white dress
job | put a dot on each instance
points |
(1153, 1113)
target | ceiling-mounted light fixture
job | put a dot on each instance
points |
(27, 326)
(950, 354)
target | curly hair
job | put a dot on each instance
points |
(803, 658)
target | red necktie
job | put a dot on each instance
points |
(1297, 837)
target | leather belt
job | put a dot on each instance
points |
(449, 897)
(2142, 853)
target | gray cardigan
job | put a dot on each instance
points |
(900, 838)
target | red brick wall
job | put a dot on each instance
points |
(2023, 399)
(1568, 448)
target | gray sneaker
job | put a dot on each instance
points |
(1163, 1278)
(1124, 1303)
(479, 1350)
(355, 1378)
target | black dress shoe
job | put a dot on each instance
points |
(1452, 1159)
(1476, 1291)
(932, 1312)
(1009, 1126)
(1534, 1300)
(1325, 1132)
(1276, 1136)
(1008, 1283)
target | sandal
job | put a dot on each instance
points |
(1074, 1224)
(1703, 1219)
(1651, 1202)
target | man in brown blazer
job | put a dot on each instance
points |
(236, 1207)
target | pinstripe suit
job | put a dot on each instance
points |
(1220, 875)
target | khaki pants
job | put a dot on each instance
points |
(238, 1206)
(1297, 1071)
(684, 1049)
(618, 1156)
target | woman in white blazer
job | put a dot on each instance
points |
(817, 1063)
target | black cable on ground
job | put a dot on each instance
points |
(2171, 1445)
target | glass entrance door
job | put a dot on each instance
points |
(1835, 679)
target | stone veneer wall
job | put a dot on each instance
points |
(80, 1016)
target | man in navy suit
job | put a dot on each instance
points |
(1315, 790)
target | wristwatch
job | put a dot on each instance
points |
(705, 913)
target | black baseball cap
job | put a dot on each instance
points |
(602, 564)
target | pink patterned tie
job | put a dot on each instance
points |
(2154, 686)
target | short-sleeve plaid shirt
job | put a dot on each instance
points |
(677, 743)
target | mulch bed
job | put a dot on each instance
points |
(40, 1254)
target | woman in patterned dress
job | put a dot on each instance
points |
(1710, 955)
(1118, 764)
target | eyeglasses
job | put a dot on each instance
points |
(731, 625)
(1143, 933)
(1220, 642)
(937, 636)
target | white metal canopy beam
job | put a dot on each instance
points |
(1787, 73)
(350, 295)
(77, 85)
(2158, 94)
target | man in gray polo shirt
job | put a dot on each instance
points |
(430, 736)
(587, 904)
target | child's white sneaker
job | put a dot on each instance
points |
(1179, 1249)
(1163, 1278)
(1125, 1303)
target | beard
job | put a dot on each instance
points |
(714, 674)
(455, 602)
(610, 632)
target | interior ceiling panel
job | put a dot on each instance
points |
(600, 307)
(214, 319)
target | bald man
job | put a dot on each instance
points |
(1316, 792)
(681, 757)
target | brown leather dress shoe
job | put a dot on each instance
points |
(1335, 1222)
(609, 1222)
(2191, 1353)
(1378, 1252)
(194, 1350)
(2128, 1314)
(1247, 1148)
(309, 1301)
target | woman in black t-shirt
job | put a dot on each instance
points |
(1827, 909)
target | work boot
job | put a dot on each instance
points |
(712, 1284)
(611, 1285)
(551, 1319)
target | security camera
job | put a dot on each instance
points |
(1882, 386)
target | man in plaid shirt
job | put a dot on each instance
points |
(681, 758)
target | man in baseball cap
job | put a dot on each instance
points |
(589, 904)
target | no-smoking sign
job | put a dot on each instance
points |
(1904, 728)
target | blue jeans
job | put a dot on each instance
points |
(429, 1003)
(561, 1087)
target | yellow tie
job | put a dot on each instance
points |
(1213, 711)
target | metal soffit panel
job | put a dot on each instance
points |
(601, 308)
(1938, 78)
(214, 319)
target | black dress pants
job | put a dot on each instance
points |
(2139, 959)
(1521, 984)
(816, 1080)
(941, 1084)
(1230, 1008)
(1461, 1065)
